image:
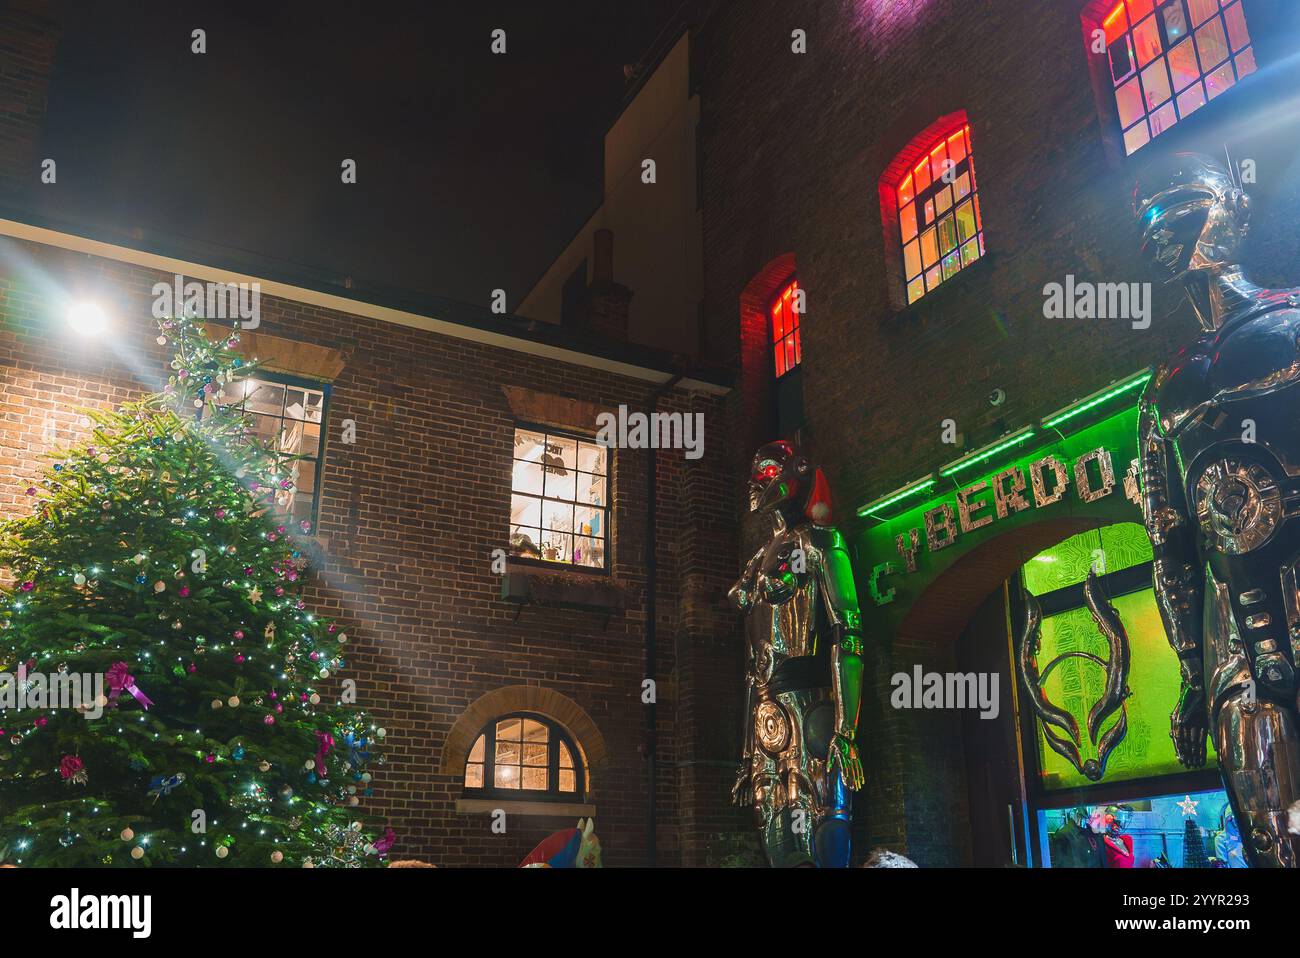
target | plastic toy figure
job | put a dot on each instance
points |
(804, 678)
(1219, 431)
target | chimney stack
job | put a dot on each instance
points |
(607, 301)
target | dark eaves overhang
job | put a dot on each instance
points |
(210, 263)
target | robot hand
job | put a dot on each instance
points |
(1188, 726)
(844, 753)
(742, 793)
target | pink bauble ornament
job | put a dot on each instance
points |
(269, 720)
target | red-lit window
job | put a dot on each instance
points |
(785, 312)
(1168, 58)
(938, 210)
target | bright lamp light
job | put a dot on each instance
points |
(87, 319)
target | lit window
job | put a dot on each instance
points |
(939, 219)
(1168, 59)
(559, 499)
(785, 312)
(289, 414)
(525, 756)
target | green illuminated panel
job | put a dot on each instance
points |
(1077, 684)
(1123, 545)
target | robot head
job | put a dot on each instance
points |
(782, 476)
(1192, 214)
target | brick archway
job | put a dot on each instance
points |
(522, 698)
(943, 610)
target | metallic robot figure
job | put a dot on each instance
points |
(804, 677)
(1219, 430)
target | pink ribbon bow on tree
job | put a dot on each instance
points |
(120, 680)
(324, 742)
(384, 844)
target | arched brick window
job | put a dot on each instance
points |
(1165, 59)
(785, 312)
(524, 756)
(931, 206)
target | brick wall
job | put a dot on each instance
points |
(793, 149)
(409, 516)
(28, 39)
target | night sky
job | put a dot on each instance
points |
(474, 170)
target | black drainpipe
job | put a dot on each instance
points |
(651, 570)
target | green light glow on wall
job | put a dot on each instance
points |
(1078, 409)
(871, 508)
(989, 453)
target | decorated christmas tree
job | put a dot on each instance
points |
(1193, 846)
(164, 695)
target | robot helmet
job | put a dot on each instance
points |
(1192, 213)
(782, 474)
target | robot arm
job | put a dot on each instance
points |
(835, 576)
(1179, 585)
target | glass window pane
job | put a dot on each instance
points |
(1183, 65)
(568, 781)
(473, 776)
(509, 729)
(535, 779)
(965, 221)
(905, 191)
(1163, 119)
(525, 542)
(912, 259)
(525, 511)
(943, 200)
(915, 289)
(957, 147)
(921, 172)
(1136, 138)
(529, 445)
(535, 731)
(1212, 44)
(929, 247)
(589, 552)
(561, 483)
(526, 477)
(1146, 41)
(1220, 80)
(1191, 99)
(951, 264)
(907, 221)
(1128, 99)
(556, 546)
(1202, 10)
(1175, 21)
(591, 489)
(506, 776)
(1238, 35)
(938, 160)
(476, 753)
(970, 253)
(1116, 23)
(1137, 9)
(1122, 63)
(947, 236)
(507, 753)
(1155, 84)
(1246, 62)
(557, 516)
(591, 458)
(928, 211)
(566, 757)
(778, 321)
(933, 278)
(536, 753)
(962, 187)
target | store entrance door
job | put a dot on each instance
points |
(994, 766)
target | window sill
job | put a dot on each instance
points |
(480, 806)
(527, 585)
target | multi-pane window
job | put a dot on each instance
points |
(289, 413)
(1168, 58)
(785, 311)
(524, 756)
(939, 213)
(559, 499)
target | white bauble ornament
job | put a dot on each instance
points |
(380, 733)
(343, 638)
(159, 586)
(324, 673)
(309, 764)
(354, 800)
(127, 834)
(277, 857)
(137, 853)
(264, 767)
(315, 699)
(79, 579)
(365, 778)
(233, 701)
(216, 703)
(222, 851)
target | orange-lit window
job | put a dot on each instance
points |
(939, 213)
(1168, 58)
(785, 312)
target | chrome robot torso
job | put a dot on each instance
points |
(803, 673)
(1220, 451)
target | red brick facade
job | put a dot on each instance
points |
(409, 517)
